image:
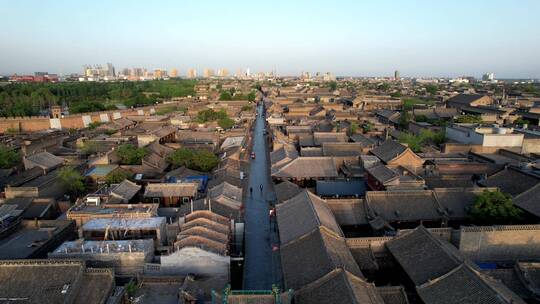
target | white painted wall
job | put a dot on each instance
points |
(197, 261)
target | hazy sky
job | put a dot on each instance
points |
(355, 38)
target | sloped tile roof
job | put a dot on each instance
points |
(339, 286)
(314, 255)
(422, 256)
(302, 214)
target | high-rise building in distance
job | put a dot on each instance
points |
(207, 73)
(488, 77)
(160, 73)
(223, 73)
(396, 75)
(174, 73)
(191, 73)
(99, 72)
(239, 73)
(110, 70)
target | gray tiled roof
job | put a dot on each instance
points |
(422, 256)
(529, 200)
(457, 201)
(126, 190)
(465, 285)
(404, 205)
(286, 190)
(42, 281)
(171, 190)
(393, 294)
(382, 173)
(302, 214)
(389, 150)
(465, 99)
(511, 180)
(313, 255)
(342, 149)
(339, 286)
(45, 160)
(227, 190)
(307, 167)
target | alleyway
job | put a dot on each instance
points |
(261, 268)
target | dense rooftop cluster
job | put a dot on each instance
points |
(375, 191)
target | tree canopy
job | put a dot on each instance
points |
(332, 85)
(89, 147)
(247, 108)
(226, 123)
(225, 95)
(130, 155)
(25, 99)
(117, 176)
(416, 142)
(432, 89)
(210, 115)
(494, 207)
(201, 160)
(72, 180)
(353, 127)
(251, 96)
(9, 158)
(469, 119)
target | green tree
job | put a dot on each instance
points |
(225, 95)
(181, 157)
(131, 288)
(353, 127)
(12, 131)
(226, 123)
(416, 142)
(89, 147)
(72, 180)
(117, 176)
(395, 94)
(130, 155)
(204, 161)
(251, 96)
(384, 87)
(412, 141)
(9, 158)
(247, 108)
(494, 207)
(367, 126)
(404, 120)
(94, 125)
(200, 160)
(332, 85)
(432, 89)
(469, 119)
(521, 122)
(210, 115)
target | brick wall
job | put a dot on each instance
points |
(38, 123)
(500, 243)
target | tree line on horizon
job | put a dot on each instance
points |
(29, 99)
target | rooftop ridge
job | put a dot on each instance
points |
(33, 262)
(500, 228)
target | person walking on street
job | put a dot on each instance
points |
(261, 186)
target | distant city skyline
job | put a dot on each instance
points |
(346, 38)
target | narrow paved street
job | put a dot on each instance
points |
(260, 269)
